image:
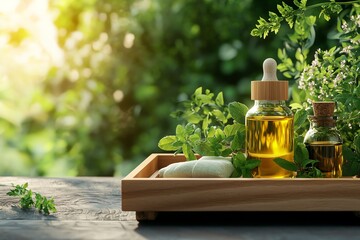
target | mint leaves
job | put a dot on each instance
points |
(304, 166)
(27, 199)
(211, 128)
(243, 167)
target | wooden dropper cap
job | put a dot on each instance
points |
(269, 88)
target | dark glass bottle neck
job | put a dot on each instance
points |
(322, 121)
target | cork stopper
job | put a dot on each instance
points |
(323, 114)
(323, 109)
(269, 88)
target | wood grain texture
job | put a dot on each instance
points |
(229, 194)
(90, 208)
(75, 198)
(43, 230)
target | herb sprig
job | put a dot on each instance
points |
(211, 128)
(27, 199)
(302, 165)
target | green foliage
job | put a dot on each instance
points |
(238, 111)
(211, 129)
(27, 199)
(244, 167)
(302, 165)
(101, 110)
(227, 138)
(333, 73)
(297, 18)
(125, 65)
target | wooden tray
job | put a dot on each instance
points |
(145, 193)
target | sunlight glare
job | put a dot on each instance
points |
(129, 40)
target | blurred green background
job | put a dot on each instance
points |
(86, 87)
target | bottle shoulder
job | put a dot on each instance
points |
(269, 110)
(322, 134)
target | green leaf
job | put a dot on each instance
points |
(198, 91)
(26, 201)
(219, 115)
(231, 130)
(205, 124)
(219, 99)
(298, 55)
(238, 111)
(239, 160)
(180, 133)
(309, 162)
(236, 143)
(299, 96)
(351, 166)
(236, 174)
(356, 143)
(211, 132)
(301, 4)
(188, 152)
(252, 163)
(193, 117)
(310, 20)
(219, 134)
(189, 128)
(240, 138)
(226, 152)
(290, 166)
(167, 143)
(301, 154)
(299, 118)
(193, 138)
(246, 173)
(295, 106)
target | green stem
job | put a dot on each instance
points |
(322, 4)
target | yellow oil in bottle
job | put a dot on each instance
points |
(270, 137)
(329, 155)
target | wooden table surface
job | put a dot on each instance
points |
(90, 208)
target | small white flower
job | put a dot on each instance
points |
(344, 27)
(342, 63)
(346, 49)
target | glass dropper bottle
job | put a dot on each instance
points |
(269, 124)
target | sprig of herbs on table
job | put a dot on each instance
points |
(29, 199)
(212, 128)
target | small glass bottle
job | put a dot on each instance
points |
(269, 124)
(323, 141)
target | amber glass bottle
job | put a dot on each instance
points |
(323, 141)
(269, 124)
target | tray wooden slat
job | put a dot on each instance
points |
(143, 192)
